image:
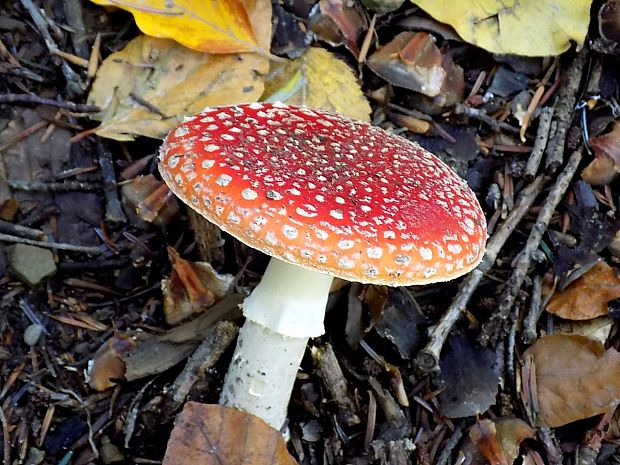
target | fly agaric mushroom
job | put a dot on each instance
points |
(325, 196)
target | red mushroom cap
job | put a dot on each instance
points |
(325, 192)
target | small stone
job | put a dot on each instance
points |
(109, 452)
(31, 264)
(32, 334)
(35, 456)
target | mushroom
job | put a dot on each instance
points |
(325, 196)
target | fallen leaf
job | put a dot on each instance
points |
(597, 329)
(587, 296)
(145, 200)
(212, 26)
(107, 365)
(469, 378)
(191, 288)
(317, 80)
(216, 435)
(568, 378)
(499, 439)
(525, 27)
(411, 60)
(149, 86)
(347, 16)
(606, 164)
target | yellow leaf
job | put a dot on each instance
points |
(149, 86)
(214, 26)
(522, 27)
(317, 80)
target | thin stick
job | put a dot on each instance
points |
(18, 230)
(427, 359)
(55, 187)
(32, 99)
(218, 338)
(480, 115)
(74, 86)
(6, 438)
(494, 327)
(542, 136)
(528, 335)
(564, 107)
(113, 209)
(51, 245)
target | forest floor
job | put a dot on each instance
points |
(516, 361)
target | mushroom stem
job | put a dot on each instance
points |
(285, 309)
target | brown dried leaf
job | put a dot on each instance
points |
(216, 435)
(572, 378)
(606, 164)
(146, 199)
(411, 60)
(608, 144)
(191, 288)
(107, 364)
(587, 297)
(484, 435)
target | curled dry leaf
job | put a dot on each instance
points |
(216, 435)
(587, 296)
(191, 288)
(146, 199)
(150, 85)
(348, 18)
(606, 164)
(317, 80)
(567, 378)
(214, 27)
(526, 27)
(411, 60)
(499, 439)
(107, 365)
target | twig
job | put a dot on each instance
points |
(327, 364)
(427, 359)
(542, 136)
(480, 115)
(564, 107)
(528, 335)
(54, 187)
(23, 135)
(454, 439)
(32, 99)
(6, 438)
(113, 210)
(75, 19)
(493, 328)
(206, 355)
(19, 71)
(51, 245)
(551, 446)
(74, 86)
(18, 230)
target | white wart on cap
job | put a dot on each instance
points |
(327, 193)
